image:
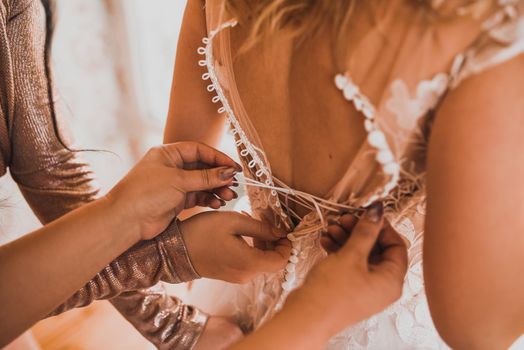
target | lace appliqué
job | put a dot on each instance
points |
(376, 137)
(409, 317)
(409, 109)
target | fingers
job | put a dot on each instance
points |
(329, 245)
(203, 179)
(338, 233)
(395, 254)
(225, 193)
(365, 233)
(246, 226)
(181, 153)
(272, 260)
(265, 256)
(348, 222)
(204, 199)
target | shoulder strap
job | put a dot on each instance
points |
(501, 40)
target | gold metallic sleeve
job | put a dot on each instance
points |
(161, 259)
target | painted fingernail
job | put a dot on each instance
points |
(235, 195)
(239, 167)
(223, 203)
(374, 212)
(227, 173)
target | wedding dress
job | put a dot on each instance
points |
(390, 166)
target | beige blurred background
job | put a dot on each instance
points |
(113, 64)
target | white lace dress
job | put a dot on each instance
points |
(391, 162)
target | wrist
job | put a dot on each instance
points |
(318, 312)
(302, 315)
(171, 244)
(120, 218)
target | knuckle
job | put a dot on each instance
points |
(153, 151)
(205, 176)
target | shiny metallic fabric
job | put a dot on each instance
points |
(161, 259)
(164, 320)
(55, 181)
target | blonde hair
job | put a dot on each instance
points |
(299, 18)
(294, 17)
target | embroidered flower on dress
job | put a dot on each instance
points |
(407, 109)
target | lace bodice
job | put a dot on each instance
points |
(390, 166)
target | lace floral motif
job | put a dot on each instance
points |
(407, 109)
(409, 317)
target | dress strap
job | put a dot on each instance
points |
(501, 40)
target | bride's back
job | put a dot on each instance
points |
(309, 132)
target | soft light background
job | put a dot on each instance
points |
(113, 64)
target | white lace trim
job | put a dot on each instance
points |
(249, 149)
(376, 137)
(243, 141)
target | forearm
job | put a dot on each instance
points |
(163, 258)
(190, 103)
(299, 326)
(58, 258)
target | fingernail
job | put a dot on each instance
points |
(227, 173)
(223, 203)
(235, 195)
(239, 167)
(374, 212)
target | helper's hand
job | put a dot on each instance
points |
(353, 284)
(217, 249)
(337, 233)
(171, 178)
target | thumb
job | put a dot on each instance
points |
(366, 232)
(205, 179)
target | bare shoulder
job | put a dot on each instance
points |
(475, 219)
(488, 107)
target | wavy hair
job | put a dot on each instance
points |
(299, 18)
